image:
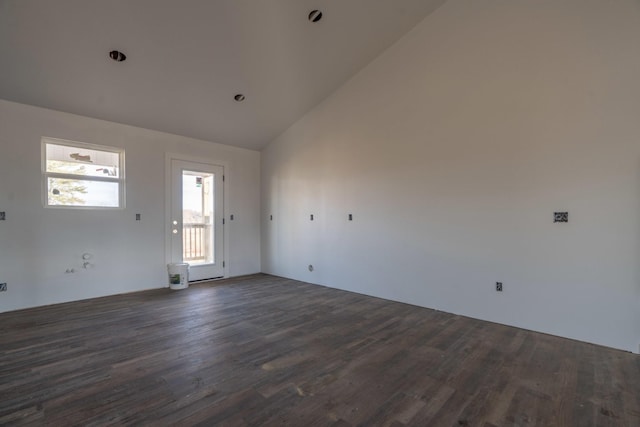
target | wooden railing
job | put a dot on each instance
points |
(195, 242)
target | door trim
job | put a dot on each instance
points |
(167, 204)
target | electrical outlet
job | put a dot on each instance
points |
(498, 286)
(3, 287)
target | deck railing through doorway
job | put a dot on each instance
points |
(195, 244)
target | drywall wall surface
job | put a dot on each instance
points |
(453, 150)
(39, 244)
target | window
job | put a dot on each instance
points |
(82, 175)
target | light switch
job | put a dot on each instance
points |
(561, 217)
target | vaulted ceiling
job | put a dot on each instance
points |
(187, 59)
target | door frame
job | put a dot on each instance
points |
(168, 185)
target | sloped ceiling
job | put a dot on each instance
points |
(186, 59)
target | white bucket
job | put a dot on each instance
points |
(178, 275)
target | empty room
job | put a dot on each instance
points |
(320, 212)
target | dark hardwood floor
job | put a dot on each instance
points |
(263, 351)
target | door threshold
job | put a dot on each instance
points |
(205, 280)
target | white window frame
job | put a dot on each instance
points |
(82, 145)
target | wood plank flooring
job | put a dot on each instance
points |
(267, 351)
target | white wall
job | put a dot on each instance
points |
(454, 148)
(37, 245)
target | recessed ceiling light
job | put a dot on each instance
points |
(117, 56)
(315, 15)
(239, 97)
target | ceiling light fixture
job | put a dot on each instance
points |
(239, 97)
(315, 15)
(117, 56)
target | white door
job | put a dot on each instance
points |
(197, 224)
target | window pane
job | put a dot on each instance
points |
(82, 161)
(197, 218)
(77, 192)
